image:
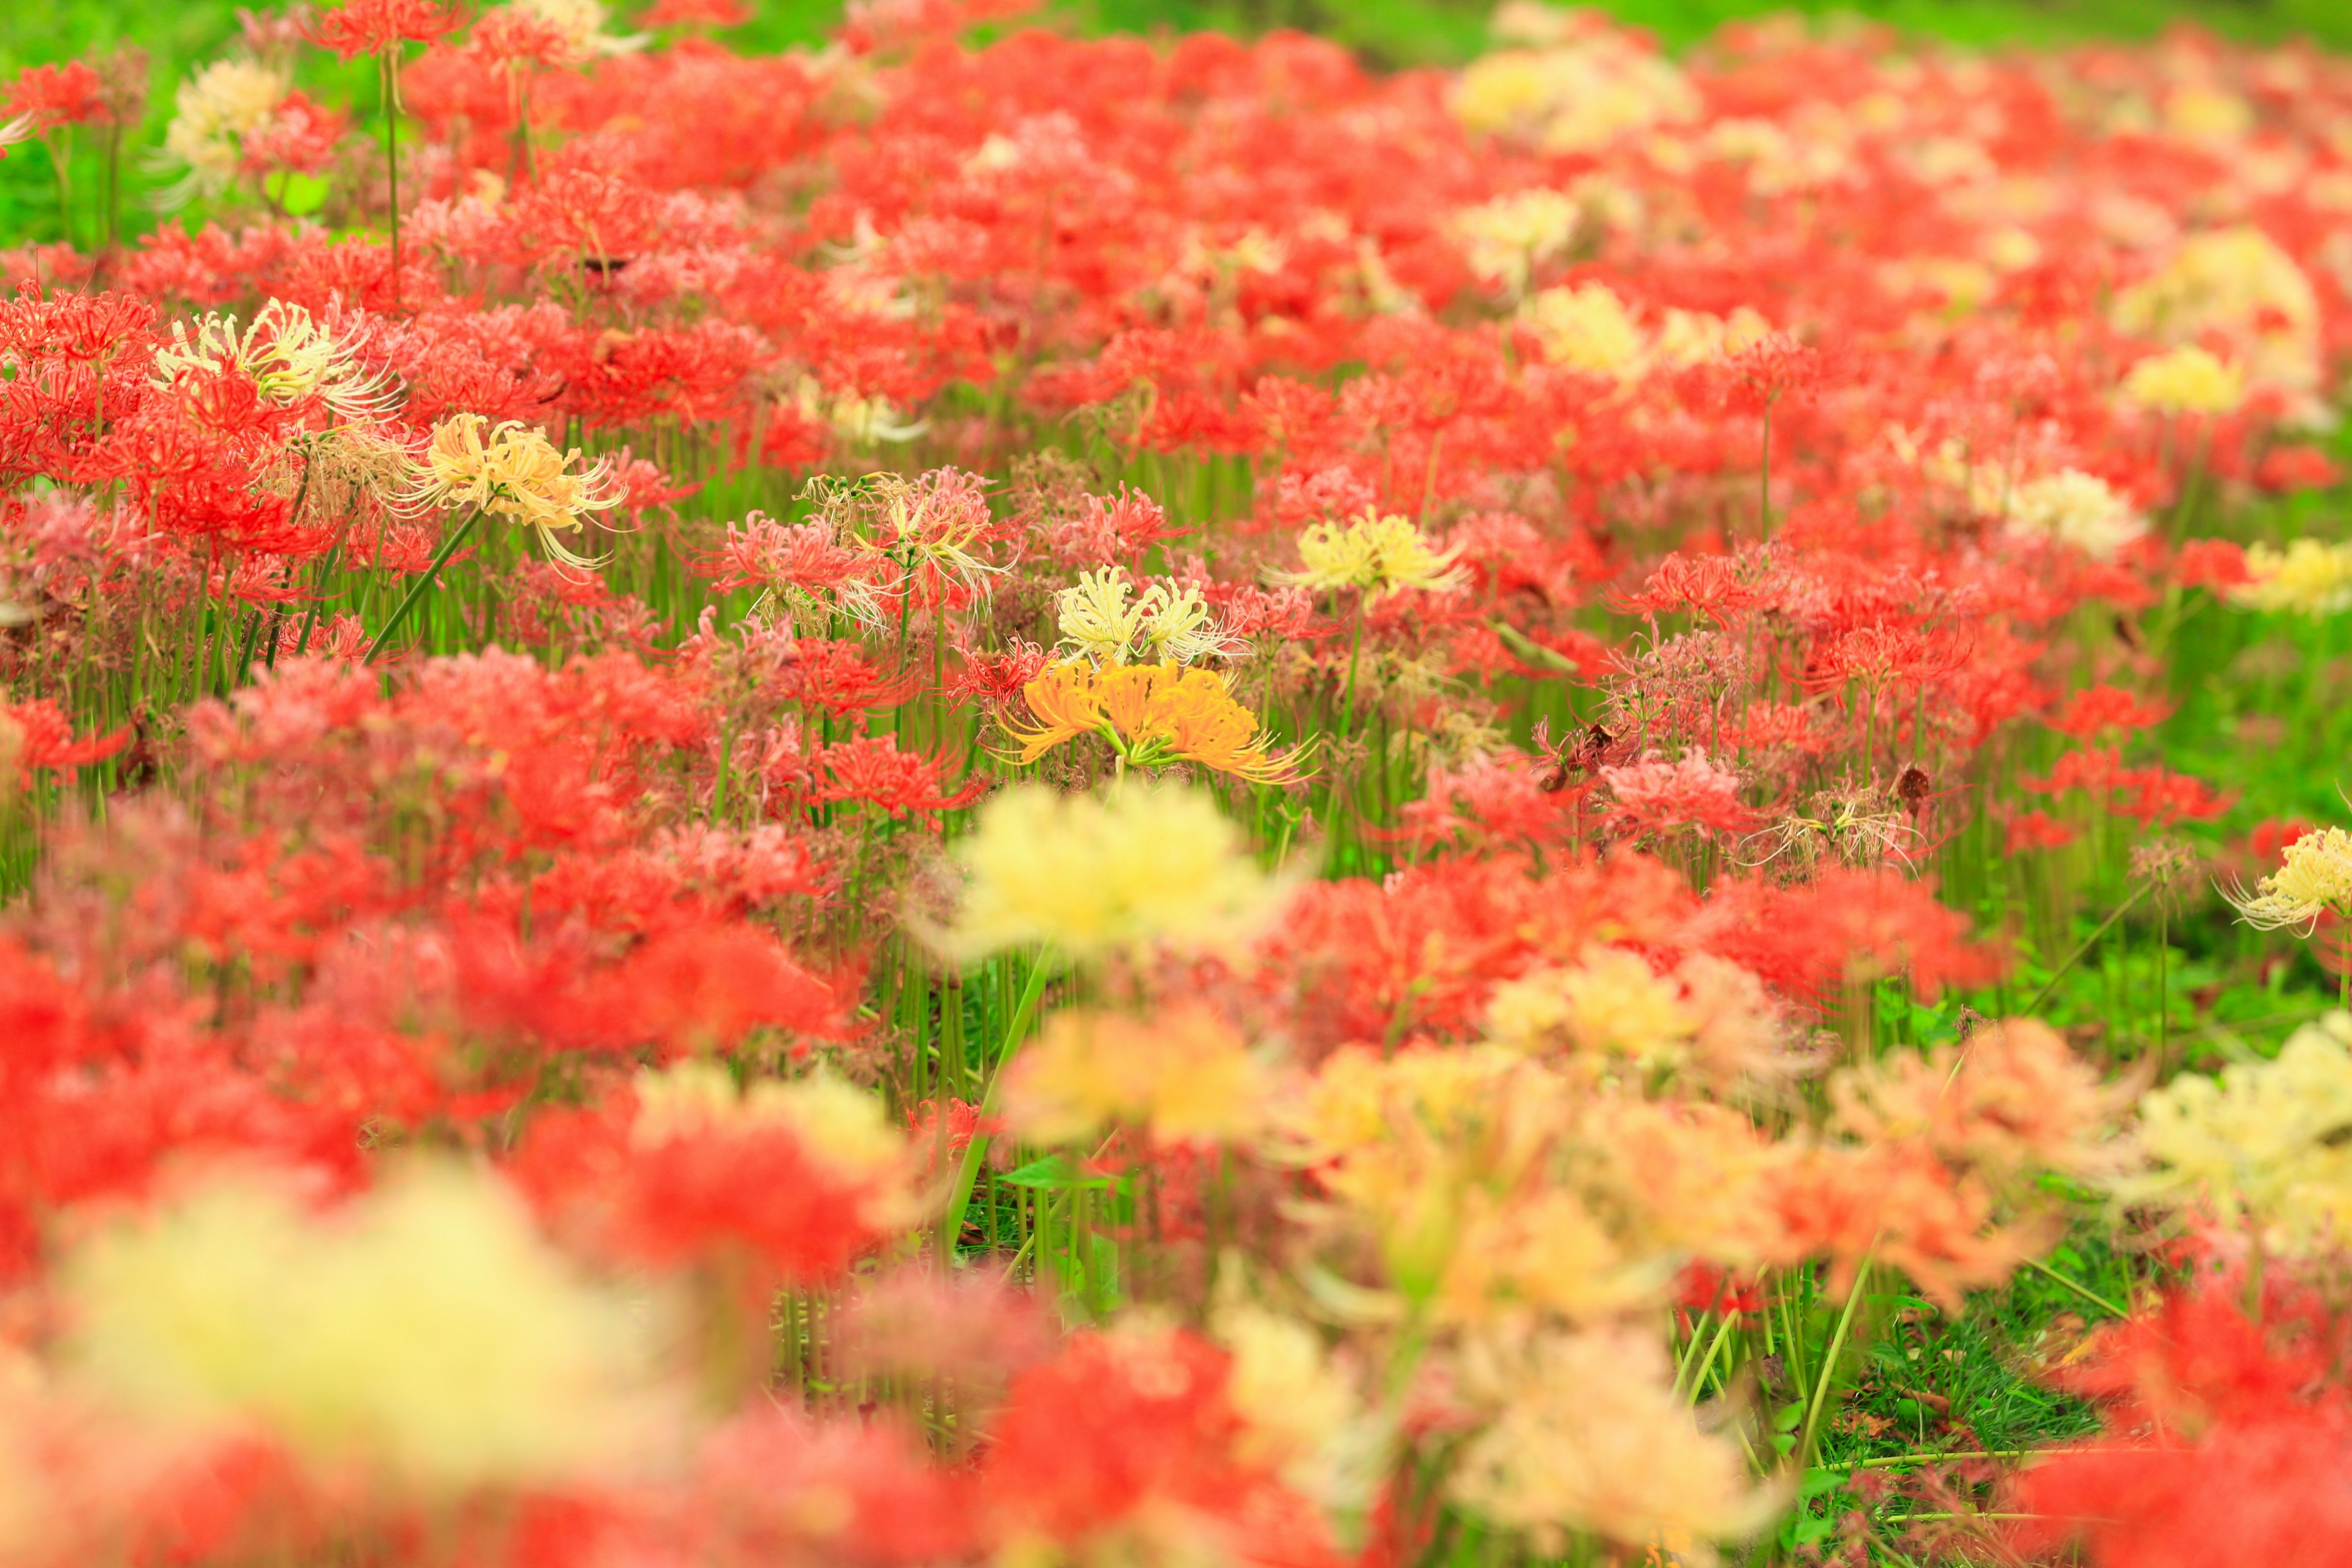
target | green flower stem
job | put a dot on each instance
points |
(422, 585)
(959, 1194)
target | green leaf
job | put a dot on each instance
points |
(299, 193)
(1054, 1173)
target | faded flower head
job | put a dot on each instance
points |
(1091, 875)
(512, 471)
(1589, 1435)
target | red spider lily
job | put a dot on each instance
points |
(359, 27)
(693, 1191)
(2225, 1437)
(1715, 586)
(2106, 708)
(49, 96)
(36, 734)
(873, 769)
(1113, 1426)
(2214, 564)
(2037, 830)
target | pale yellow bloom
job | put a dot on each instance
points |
(1185, 1075)
(2207, 113)
(1101, 626)
(426, 1334)
(1379, 554)
(218, 108)
(1708, 1019)
(2314, 875)
(1588, 1435)
(1576, 97)
(1589, 329)
(289, 354)
(1303, 1417)
(1092, 875)
(2310, 577)
(2268, 1144)
(1506, 239)
(2238, 284)
(2071, 507)
(513, 472)
(2187, 380)
(838, 1121)
(1692, 337)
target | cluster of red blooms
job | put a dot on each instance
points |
(1774, 422)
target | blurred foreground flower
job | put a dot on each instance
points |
(2265, 1143)
(2310, 577)
(1090, 875)
(427, 1333)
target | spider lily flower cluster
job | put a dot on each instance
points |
(1290, 815)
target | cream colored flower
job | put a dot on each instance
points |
(1163, 625)
(514, 472)
(1577, 96)
(2314, 877)
(221, 105)
(1092, 875)
(290, 357)
(1588, 1435)
(1610, 1003)
(2071, 507)
(1301, 1415)
(2268, 1144)
(2236, 284)
(1183, 1075)
(2187, 380)
(426, 1334)
(1589, 329)
(2310, 577)
(1379, 554)
(1506, 239)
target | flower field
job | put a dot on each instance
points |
(993, 796)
